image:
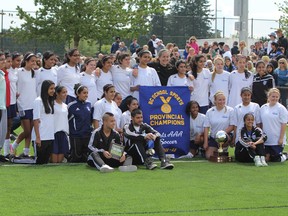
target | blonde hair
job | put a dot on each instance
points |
(273, 90)
(214, 69)
(285, 63)
(217, 94)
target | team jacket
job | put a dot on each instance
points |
(100, 143)
(80, 119)
(255, 135)
(132, 136)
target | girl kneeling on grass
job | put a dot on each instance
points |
(250, 146)
(43, 121)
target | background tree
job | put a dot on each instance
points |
(186, 18)
(283, 7)
(93, 20)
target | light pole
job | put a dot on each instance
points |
(215, 18)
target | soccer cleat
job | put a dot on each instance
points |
(22, 155)
(165, 164)
(150, 151)
(257, 161)
(129, 168)
(263, 161)
(3, 159)
(105, 169)
(149, 163)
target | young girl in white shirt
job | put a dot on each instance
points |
(132, 103)
(43, 133)
(61, 127)
(26, 89)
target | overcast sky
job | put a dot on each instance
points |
(258, 9)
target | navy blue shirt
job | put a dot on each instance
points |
(80, 119)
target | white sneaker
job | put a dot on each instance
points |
(189, 155)
(263, 161)
(283, 158)
(129, 168)
(105, 169)
(257, 161)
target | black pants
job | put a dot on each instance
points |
(138, 151)
(79, 149)
(97, 159)
(246, 155)
(43, 152)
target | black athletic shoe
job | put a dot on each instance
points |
(3, 159)
(149, 163)
(22, 155)
(165, 164)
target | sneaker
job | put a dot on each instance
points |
(263, 161)
(22, 155)
(129, 168)
(105, 169)
(286, 155)
(189, 155)
(149, 163)
(165, 164)
(257, 161)
(3, 159)
(283, 157)
(150, 151)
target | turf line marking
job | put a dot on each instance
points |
(179, 211)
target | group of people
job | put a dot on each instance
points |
(79, 110)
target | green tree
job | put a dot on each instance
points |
(283, 7)
(186, 18)
(92, 20)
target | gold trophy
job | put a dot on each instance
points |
(220, 156)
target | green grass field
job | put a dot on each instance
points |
(194, 187)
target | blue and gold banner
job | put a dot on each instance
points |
(164, 109)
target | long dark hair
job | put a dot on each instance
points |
(48, 101)
(106, 89)
(46, 56)
(26, 58)
(194, 62)
(78, 88)
(101, 63)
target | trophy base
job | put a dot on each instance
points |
(220, 157)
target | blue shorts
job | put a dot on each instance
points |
(274, 150)
(212, 142)
(26, 114)
(11, 111)
(61, 143)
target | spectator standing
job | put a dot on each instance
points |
(115, 45)
(134, 46)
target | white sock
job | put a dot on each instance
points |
(6, 147)
(15, 145)
(26, 151)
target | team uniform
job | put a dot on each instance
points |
(220, 83)
(46, 131)
(101, 81)
(175, 80)
(102, 106)
(13, 77)
(272, 117)
(217, 120)
(200, 92)
(98, 144)
(125, 118)
(79, 117)
(61, 129)
(89, 80)
(237, 81)
(240, 110)
(260, 87)
(68, 76)
(243, 152)
(45, 74)
(146, 77)
(196, 127)
(26, 86)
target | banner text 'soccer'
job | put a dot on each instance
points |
(164, 109)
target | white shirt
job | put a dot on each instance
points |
(61, 117)
(121, 80)
(237, 81)
(102, 106)
(89, 81)
(45, 74)
(175, 80)
(196, 125)
(46, 124)
(146, 77)
(220, 83)
(201, 87)
(13, 77)
(125, 118)
(272, 118)
(68, 76)
(218, 120)
(101, 81)
(240, 110)
(26, 86)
